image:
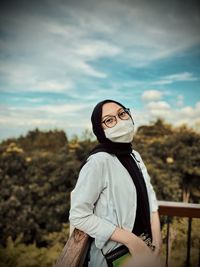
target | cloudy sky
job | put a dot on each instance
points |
(59, 58)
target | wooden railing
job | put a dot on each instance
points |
(74, 252)
(179, 209)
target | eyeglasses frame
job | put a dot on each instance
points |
(127, 110)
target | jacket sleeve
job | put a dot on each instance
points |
(152, 195)
(89, 186)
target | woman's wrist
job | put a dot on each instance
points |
(158, 248)
(122, 236)
(156, 232)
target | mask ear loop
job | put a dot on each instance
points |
(129, 112)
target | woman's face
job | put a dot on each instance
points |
(110, 109)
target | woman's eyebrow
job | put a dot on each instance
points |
(111, 114)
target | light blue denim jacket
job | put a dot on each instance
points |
(103, 198)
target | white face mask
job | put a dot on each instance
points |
(122, 132)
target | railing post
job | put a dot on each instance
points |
(189, 242)
(199, 252)
(168, 242)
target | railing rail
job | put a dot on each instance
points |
(74, 252)
(179, 209)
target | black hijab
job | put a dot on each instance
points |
(123, 152)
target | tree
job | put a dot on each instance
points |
(185, 147)
(35, 185)
(172, 157)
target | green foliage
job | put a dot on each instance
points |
(35, 188)
(172, 158)
(39, 140)
(158, 129)
(17, 254)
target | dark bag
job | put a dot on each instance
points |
(117, 257)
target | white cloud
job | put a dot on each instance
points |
(152, 95)
(158, 105)
(16, 73)
(124, 22)
(73, 118)
(24, 77)
(187, 115)
(176, 116)
(191, 112)
(48, 110)
(53, 86)
(158, 108)
(54, 60)
(96, 49)
(83, 68)
(65, 44)
(178, 77)
(62, 109)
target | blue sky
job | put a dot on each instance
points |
(59, 58)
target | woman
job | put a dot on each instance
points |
(113, 200)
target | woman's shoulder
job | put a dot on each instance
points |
(99, 160)
(100, 156)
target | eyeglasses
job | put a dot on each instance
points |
(111, 121)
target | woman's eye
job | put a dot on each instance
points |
(123, 113)
(109, 120)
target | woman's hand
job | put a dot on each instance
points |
(135, 244)
(142, 255)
